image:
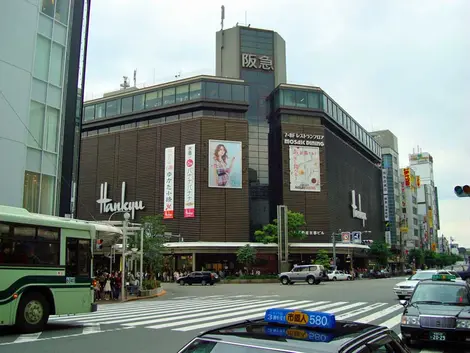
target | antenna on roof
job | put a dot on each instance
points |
(135, 78)
(125, 84)
(222, 17)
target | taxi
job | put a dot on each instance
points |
(439, 310)
(297, 331)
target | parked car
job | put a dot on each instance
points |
(201, 277)
(337, 275)
(312, 274)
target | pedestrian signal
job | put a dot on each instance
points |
(462, 191)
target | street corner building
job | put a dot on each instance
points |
(215, 155)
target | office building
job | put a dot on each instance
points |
(428, 205)
(411, 234)
(157, 150)
(41, 67)
(391, 185)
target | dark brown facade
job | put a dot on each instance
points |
(342, 169)
(137, 158)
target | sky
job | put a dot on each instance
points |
(392, 64)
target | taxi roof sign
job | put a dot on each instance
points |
(300, 317)
(443, 277)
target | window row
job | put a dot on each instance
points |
(43, 127)
(350, 125)
(163, 120)
(49, 61)
(165, 97)
(58, 9)
(39, 193)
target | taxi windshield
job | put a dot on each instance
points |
(421, 275)
(439, 293)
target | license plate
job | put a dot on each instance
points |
(437, 336)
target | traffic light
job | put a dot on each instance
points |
(462, 191)
(99, 244)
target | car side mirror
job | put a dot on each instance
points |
(403, 302)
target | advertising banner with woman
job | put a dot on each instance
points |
(225, 164)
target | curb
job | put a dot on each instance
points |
(161, 293)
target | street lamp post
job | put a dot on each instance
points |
(124, 248)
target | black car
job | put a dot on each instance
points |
(438, 310)
(290, 330)
(201, 277)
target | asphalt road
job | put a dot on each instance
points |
(165, 324)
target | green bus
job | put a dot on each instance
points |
(46, 267)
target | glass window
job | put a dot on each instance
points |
(48, 7)
(37, 113)
(47, 194)
(103, 131)
(313, 100)
(330, 108)
(126, 105)
(169, 96)
(182, 93)
(171, 118)
(153, 99)
(31, 191)
(212, 90)
(238, 93)
(113, 108)
(225, 91)
(185, 116)
(289, 97)
(139, 102)
(62, 11)
(52, 130)
(195, 90)
(89, 113)
(78, 258)
(100, 110)
(41, 58)
(301, 99)
(143, 123)
(57, 65)
(115, 128)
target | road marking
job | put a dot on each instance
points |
(379, 314)
(394, 321)
(360, 311)
(232, 310)
(256, 315)
(92, 328)
(346, 307)
(64, 336)
(28, 337)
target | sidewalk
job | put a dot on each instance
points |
(132, 298)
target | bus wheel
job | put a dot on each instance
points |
(33, 313)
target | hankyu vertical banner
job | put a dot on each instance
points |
(169, 180)
(304, 168)
(385, 194)
(189, 180)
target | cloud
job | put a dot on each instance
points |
(393, 64)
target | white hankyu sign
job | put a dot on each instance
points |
(357, 211)
(253, 61)
(107, 205)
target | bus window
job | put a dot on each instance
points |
(78, 258)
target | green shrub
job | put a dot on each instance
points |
(150, 284)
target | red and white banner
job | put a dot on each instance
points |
(189, 180)
(169, 181)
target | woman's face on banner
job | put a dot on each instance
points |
(222, 151)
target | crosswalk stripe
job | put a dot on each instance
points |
(29, 337)
(390, 323)
(134, 311)
(164, 313)
(206, 316)
(377, 315)
(343, 308)
(235, 317)
(360, 311)
(93, 328)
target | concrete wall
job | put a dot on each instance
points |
(227, 53)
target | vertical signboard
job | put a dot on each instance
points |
(189, 180)
(385, 194)
(406, 173)
(418, 181)
(169, 181)
(304, 168)
(346, 237)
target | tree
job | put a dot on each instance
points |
(295, 222)
(153, 242)
(417, 255)
(322, 258)
(246, 256)
(381, 252)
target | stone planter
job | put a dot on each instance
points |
(150, 292)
